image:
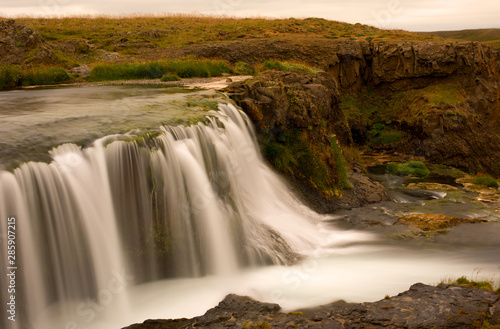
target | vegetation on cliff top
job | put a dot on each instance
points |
(378, 117)
(131, 39)
(488, 36)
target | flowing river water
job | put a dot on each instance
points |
(134, 202)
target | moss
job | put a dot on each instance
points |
(290, 153)
(486, 180)
(340, 165)
(463, 281)
(380, 134)
(243, 68)
(412, 168)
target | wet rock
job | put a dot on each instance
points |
(489, 196)
(431, 186)
(432, 224)
(422, 306)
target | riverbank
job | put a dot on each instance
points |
(215, 83)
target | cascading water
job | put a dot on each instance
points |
(189, 202)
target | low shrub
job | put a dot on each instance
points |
(13, 76)
(45, 76)
(243, 68)
(155, 70)
(486, 180)
(412, 168)
(170, 77)
(10, 76)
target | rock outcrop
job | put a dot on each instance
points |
(465, 135)
(303, 132)
(20, 44)
(422, 306)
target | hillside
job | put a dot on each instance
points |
(86, 40)
(488, 36)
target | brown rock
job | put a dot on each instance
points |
(432, 224)
(19, 44)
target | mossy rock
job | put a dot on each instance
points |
(433, 224)
(412, 168)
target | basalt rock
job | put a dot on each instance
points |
(422, 306)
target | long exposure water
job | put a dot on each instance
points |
(129, 209)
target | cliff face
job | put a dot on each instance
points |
(304, 135)
(464, 132)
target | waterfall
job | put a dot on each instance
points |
(191, 201)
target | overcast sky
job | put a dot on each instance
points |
(414, 15)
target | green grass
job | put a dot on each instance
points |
(487, 283)
(488, 36)
(412, 168)
(292, 155)
(243, 68)
(340, 165)
(381, 135)
(13, 76)
(486, 180)
(155, 70)
(122, 33)
(286, 66)
(10, 76)
(170, 77)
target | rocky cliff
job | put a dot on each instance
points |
(464, 133)
(305, 135)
